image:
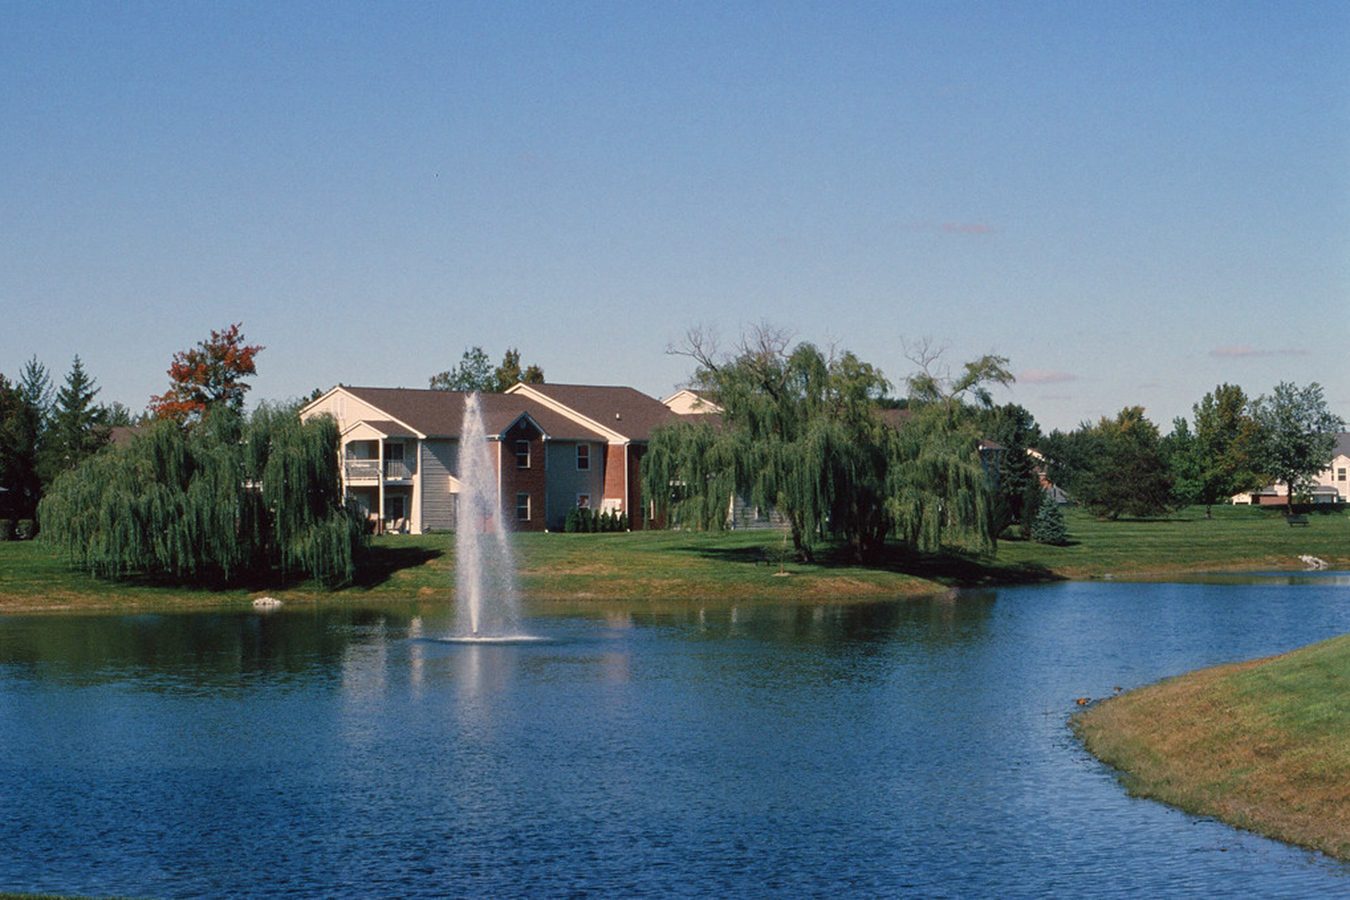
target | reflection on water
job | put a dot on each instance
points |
(915, 747)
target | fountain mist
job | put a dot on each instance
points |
(487, 606)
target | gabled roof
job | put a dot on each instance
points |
(1343, 444)
(382, 427)
(441, 413)
(627, 412)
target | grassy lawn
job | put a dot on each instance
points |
(1236, 538)
(677, 567)
(1262, 745)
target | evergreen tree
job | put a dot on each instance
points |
(77, 427)
(1049, 526)
(117, 414)
(1017, 485)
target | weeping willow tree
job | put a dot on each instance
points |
(227, 498)
(939, 491)
(803, 433)
(796, 434)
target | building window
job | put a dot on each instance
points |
(583, 457)
(522, 454)
(583, 501)
(523, 507)
(1340, 474)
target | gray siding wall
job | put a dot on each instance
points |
(746, 516)
(440, 459)
(565, 482)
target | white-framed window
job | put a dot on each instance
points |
(522, 454)
(522, 507)
(583, 501)
(1340, 474)
(583, 457)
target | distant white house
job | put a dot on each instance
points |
(1332, 484)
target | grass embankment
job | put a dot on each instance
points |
(1236, 538)
(1262, 745)
(745, 565)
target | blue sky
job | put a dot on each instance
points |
(1133, 202)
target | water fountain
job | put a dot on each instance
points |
(487, 605)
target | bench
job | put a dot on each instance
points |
(1297, 520)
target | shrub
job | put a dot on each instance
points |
(6, 529)
(1049, 526)
(25, 530)
(573, 520)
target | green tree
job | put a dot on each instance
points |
(1297, 436)
(798, 433)
(937, 490)
(1129, 475)
(24, 411)
(231, 498)
(1224, 453)
(77, 428)
(207, 376)
(801, 432)
(940, 490)
(509, 372)
(117, 413)
(1185, 464)
(1017, 484)
(473, 373)
(1049, 526)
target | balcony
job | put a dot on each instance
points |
(369, 470)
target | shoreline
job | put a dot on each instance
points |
(1261, 745)
(816, 588)
(677, 567)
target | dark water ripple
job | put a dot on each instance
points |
(914, 748)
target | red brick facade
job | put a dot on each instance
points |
(614, 471)
(516, 480)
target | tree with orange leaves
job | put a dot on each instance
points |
(208, 375)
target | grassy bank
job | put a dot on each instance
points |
(679, 566)
(1262, 745)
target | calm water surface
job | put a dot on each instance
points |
(910, 748)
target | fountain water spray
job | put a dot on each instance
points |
(487, 605)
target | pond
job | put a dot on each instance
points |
(914, 747)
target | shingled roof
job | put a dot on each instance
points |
(441, 413)
(625, 410)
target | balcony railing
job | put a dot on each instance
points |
(369, 470)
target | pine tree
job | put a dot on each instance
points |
(77, 427)
(1049, 526)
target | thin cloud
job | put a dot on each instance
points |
(1247, 351)
(968, 228)
(1045, 376)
